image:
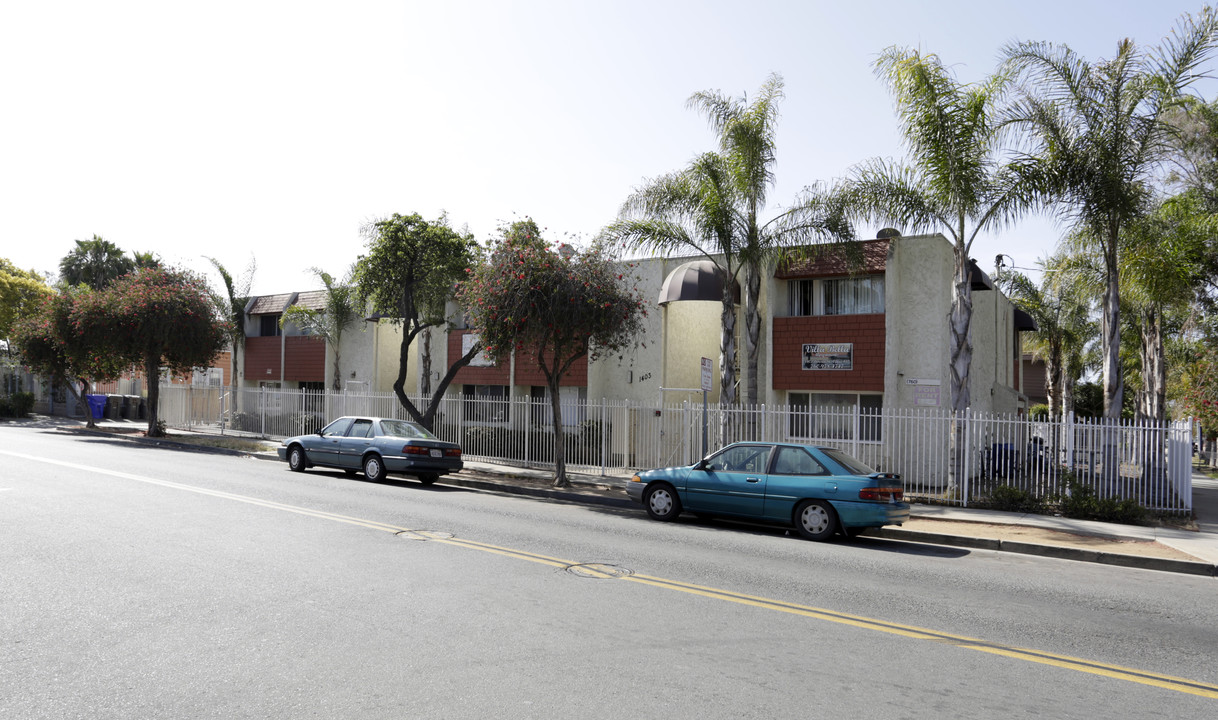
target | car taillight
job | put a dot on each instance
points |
(416, 450)
(452, 452)
(882, 494)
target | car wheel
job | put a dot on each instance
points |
(428, 478)
(297, 460)
(815, 520)
(662, 502)
(374, 468)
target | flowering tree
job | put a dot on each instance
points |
(51, 344)
(151, 318)
(530, 298)
(21, 294)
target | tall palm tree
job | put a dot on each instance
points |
(955, 182)
(94, 262)
(1101, 131)
(693, 209)
(342, 309)
(714, 207)
(231, 306)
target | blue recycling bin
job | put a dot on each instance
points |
(97, 406)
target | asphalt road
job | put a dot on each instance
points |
(140, 582)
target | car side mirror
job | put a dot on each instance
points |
(701, 464)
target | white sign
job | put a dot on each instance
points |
(707, 372)
(828, 356)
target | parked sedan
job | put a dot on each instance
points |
(377, 446)
(819, 490)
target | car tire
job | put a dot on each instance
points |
(374, 467)
(662, 502)
(297, 460)
(815, 520)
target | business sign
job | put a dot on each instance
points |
(829, 356)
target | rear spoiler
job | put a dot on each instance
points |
(884, 476)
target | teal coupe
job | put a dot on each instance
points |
(818, 490)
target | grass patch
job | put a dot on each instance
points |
(225, 442)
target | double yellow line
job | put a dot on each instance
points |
(1117, 672)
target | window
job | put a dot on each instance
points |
(796, 461)
(485, 403)
(836, 416)
(360, 428)
(837, 296)
(338, 427)
(741, 458)
(268, 326)
(573, 401)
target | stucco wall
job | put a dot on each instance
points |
(917, 301)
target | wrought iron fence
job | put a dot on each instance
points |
(955, 458)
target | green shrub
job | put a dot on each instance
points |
(17, 405)
(1081, 503)
(1012, 499)
(1039, 411)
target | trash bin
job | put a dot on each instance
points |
(114, 403)
(125, 409)
(97, 406)
(143, 404)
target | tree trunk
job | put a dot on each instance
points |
(425, 365)
(338, 375)
(84, 403)
(961, 360)
(752, 342)
(1154, 367)
(152, 371)
(727, 362)
(560, 442)
(1053, 378)
(1114, 381)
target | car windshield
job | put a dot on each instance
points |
(852, 466)
(403, 429)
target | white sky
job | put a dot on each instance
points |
(277, 129)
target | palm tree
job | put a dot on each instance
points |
(231, 306)
(955, 182)
(693, 209)
(342, 309)
(1101, 131)
(95, 262)
(713, 207)
(1064, 327)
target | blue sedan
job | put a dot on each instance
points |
(377, 446)
(819, 490)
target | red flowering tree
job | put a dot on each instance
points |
(152, 318)
(50, 343)
(555, 309)
(1200, 390)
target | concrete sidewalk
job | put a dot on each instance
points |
(610, 490)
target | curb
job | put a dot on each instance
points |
(1052, 551)
(592, 495)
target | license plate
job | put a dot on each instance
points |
(437, 452)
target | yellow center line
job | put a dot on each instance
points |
(1116, 672)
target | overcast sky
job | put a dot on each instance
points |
(275, 130)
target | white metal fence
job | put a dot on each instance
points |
(1148, 462)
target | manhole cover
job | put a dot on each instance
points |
(424, 535)
(598, 571)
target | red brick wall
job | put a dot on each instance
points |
(527, 372)
(468, 375)
(865, 331)
(261, 354)
(305, 358)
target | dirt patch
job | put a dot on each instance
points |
(1042, 536)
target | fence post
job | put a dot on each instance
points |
(604, 435)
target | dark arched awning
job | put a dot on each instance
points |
(695, 280)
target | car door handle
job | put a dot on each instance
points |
(752, 480)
